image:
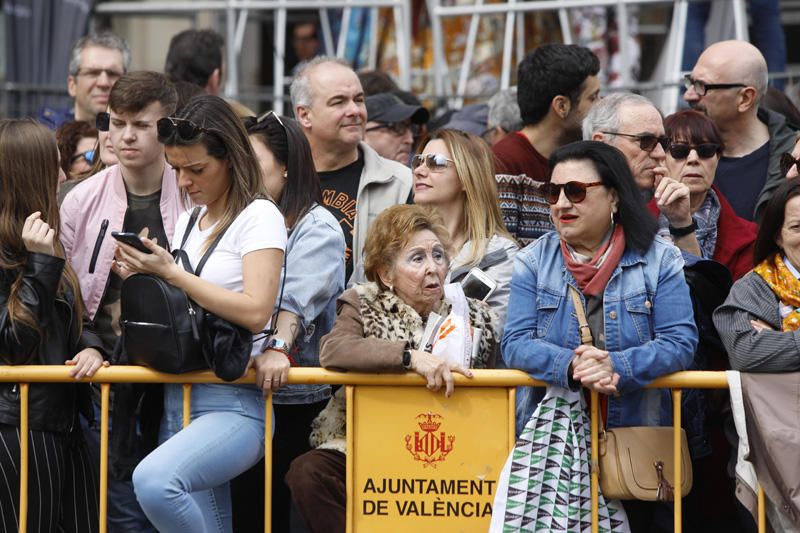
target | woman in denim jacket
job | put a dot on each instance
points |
(631, 283)
(312, 280)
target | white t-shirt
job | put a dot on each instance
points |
(260, 226)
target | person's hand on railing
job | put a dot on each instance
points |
(437, 371)
(593, 368)
(272, 370)
(86, 363)
(37, 235)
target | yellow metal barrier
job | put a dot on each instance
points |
(483, 378)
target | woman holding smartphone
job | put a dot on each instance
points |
(455, 174)
(183, 485)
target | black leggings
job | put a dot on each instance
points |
(62, 489)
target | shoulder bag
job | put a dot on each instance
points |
(636, 463)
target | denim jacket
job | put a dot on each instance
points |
(314, 280)
(648, 322)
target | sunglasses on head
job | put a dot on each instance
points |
(186, 130)
(575, 191)
(787, 162)
(434, 162)
(704, 151)
(647, 141)
(88, 155)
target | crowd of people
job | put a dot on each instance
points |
(364, 234)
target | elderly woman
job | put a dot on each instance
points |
(380, 327)
(455, 174)
(758, 322)
(692, 158)
(630, 283)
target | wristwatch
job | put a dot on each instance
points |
(407, 359)
(684, 231)
(278, 345)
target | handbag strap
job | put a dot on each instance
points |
(583, 325)
(181, 254)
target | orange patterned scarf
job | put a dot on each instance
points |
(785, 286)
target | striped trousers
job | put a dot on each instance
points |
(62, 483)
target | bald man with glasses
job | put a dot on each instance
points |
(728, 83)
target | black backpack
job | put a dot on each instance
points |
(162, 328)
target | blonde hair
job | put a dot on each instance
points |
(474, 163)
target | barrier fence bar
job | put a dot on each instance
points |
(105, 391)
(677, 493)
(23, 457)
(483, 378)
(187, 404)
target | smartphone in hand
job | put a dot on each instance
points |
(131, 239)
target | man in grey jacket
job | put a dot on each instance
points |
(728, 84)
(357, 183)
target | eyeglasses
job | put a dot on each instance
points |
(647, 141)
(94, 73)
(186, 129)
(398, 128)
(787, 162)
(434, 162)
(575, 191)
(88, 156)
(102, 120)
(704, 151)
(701, 87)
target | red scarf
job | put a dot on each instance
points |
(592, 279)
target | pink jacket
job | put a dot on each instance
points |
(101, 198)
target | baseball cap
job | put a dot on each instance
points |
(387, 107)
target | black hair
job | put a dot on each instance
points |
(289, 145)
(193, 56)
(376, 82)
(772, 220)
(549, 71)
(637, 223)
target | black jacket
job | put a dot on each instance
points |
(52, 406)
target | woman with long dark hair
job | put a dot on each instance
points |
(307, 309)
(40, 324)
(183, 485)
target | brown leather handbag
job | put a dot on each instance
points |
(636, 463)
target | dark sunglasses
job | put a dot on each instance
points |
(434, 162)
(398, 128)
(88, 155)
(575, 191)
(647, 141)
(787, 162)
(682, 150)
(186, 129)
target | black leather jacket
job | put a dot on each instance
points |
(52, 406)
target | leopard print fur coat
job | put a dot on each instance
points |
(386, 316)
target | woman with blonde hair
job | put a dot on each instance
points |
(455, 174)
(40, 324)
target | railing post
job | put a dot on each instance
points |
(187, 404)
(268, 433)
(23, 457)
(594, 414)
(105, 389)
(349, 489)
(677, 518)
(762, 510)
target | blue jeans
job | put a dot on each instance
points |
(183, 485)
(124, 513)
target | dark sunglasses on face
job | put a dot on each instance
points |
(787, 162)
(434, 162)
(186, 129)
(647, 141)
(575, 191)
(88, 155)
(398, 128)
(682, 150)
